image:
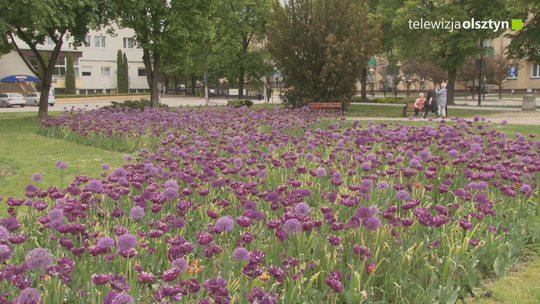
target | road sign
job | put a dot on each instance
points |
(371, 70)
(275, 75)
(513, 71)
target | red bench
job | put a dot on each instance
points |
(326, 106)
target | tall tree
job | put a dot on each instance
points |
(240, 29)
(163, 28)
(70, 75)
(125, 71)
(447, 48)
(32, 21)
(120, 73)
(408, 69)
(498, 70)
(467, 73)
(322, 46)
(39, 69)
(525, 42)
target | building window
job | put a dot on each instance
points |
(86, 71)
(142, 72)
(106, 71)
(88, 39)
(128, 43)
(535, 70)
(99, 41)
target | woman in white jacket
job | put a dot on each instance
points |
(441, 99)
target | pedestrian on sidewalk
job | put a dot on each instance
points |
(430, 104)
(419, 103)
(441, 99)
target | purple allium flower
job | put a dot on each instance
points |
(127, 241)
(28, 296)
(240, 254)
(302, 208)
(60, 165)
(55, 214)
(106, 242)
(105, 167)
(321, 172)
(119, 172)
(109, 297)
(402, 195)
(503, 122)
(123, 298)
(262, 174)
(37, 177)
(292, 226)
(271, 148)
(5, 253)
(4, 233)
(10, 223)
(382, 185)
(372, 223)
(310, 156)
(95, 185)
(171, 193)
(39, 258)
(363, 212)
(181, 264)
(337, 176)
(453, 153)
(136, 213)
(56, 225)
(224, 223)
(365, 166)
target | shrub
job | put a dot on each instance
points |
(133, 104)
(237, 103)
(395, 100)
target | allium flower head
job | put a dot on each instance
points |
(321, 172)
(4, 233)
(302, 208)
(136, 213)
(365, 166)
(181, 264)
(382, 185)
(39, 258)
(292, 226)
(5, 253)
(372, 223)
(60, 165)
(106, 242)
(55, 214)
(37, 177)
(123, 298)
(127, 241)
(95, 185)
(402, 195)
(28, 296)
(105, 167)
(240, 254)
(224, 223)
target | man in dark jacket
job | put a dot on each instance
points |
(431, 104)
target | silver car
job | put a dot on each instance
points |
(33, 99)
(10, 99)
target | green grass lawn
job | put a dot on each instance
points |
(24, 153)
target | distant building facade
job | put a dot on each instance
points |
(95, 64)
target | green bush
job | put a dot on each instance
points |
(237, 103)
(395, 100)
(133, 104)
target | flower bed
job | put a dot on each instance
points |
(226, 205)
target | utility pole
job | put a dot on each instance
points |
(205, 76)
(480, 67)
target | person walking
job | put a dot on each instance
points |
(431, 104)
(419, 103)
(441, 99)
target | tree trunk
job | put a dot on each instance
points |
(451, 86)
(193, 83)
(363, 90)
(176, 85)
(44, 98)
(500, 91)
(152, 75)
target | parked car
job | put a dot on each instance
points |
(33, 99)
(10, 99)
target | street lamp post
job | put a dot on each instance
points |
(480, 68)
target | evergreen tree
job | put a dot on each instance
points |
(120, 73)
(126, 73)
(70, 75)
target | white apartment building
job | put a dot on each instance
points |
(95, 64)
